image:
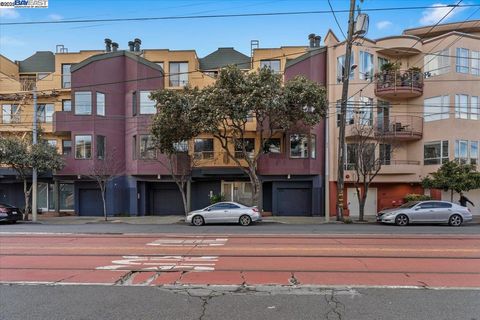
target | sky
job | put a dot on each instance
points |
(204, 35)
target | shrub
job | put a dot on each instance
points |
(416, 197)
(347, 220)
(217, 198)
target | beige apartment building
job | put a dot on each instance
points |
(428, 107)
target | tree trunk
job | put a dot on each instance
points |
(361, 206)
(257, 191)
(103, 190)
(184, 198)
(26, 193)
(451, 195)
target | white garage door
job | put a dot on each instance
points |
(473, 195)
(370, 204)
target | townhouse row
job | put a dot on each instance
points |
(92, 103)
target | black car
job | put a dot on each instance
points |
(9, 213)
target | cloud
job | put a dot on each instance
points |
(9, 13)
(383, 24)
(6, 41)
(433, 15)
(55, 17)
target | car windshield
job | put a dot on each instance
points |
(410, 204)
(4, 205)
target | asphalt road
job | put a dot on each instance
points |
(259, 228)
(19, 302)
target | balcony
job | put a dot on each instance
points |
(397, 167)
(399, 128)
(399, 84)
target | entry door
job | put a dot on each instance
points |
(370, 204)
(228, 191)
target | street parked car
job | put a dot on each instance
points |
(224, 212)
(426, 212)
(9, 213)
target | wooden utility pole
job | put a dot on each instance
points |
(34, 173)
(343, 112)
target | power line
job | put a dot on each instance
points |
(336, 20)
(238, 15)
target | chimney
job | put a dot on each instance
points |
(114, 46)
(317, 41)
(130, 45)
(108, 45)
(137, 42)
(311, 37)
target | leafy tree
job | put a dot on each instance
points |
(172, 127)
(453, 176)
(20, 155)
(225, 109)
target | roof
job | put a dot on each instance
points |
(310, 53)
(108, 55)
(40, 61)
(223, 57)
(471, 26)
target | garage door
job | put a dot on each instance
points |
(294, 202)
(90, 202)
(166, 201)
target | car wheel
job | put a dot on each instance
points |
(198, 221)
(401, 220)
(245, 220)
(455, 220)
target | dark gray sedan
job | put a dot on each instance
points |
(9, 213)
(426, 212)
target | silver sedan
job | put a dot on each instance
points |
(426, 212)
(224, 212)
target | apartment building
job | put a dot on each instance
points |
(429, 108)
(99, 104)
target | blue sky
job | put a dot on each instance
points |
(203, 35)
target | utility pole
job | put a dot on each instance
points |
(343, 112)
(34, 173)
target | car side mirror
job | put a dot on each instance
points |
(418, 208)
(209, 209)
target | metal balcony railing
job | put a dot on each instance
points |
(399, 81)
(401, 126)
(388, 162)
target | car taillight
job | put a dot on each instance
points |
(3, 210)
(255, 209)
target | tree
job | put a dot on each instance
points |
(237, 98)
(453, 176)
(20, 155)
(363, 158)
(103, 171)
(172, 127)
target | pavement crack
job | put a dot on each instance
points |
(205, 301)
(293, 280)
(337, 308)
(244, 281)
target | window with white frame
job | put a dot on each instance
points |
(341, 68)
(10, 113)
(474, 152)
(365, 111)
(436, 108)
(461, 106)
(83, 147)
(178, 74)
(474, 107)
(52, 142)
(461, 151)
(366, 66)
(147, 147)
(435, 152)
(300, 146)
(437, 63)
(350, 114)
(274, 65)
(381, 61)
(147, 106)
(67, 105)
(462, 60)
(100, 104)
(475, 63)
(66, 76)
(45, 112)
(83, 103)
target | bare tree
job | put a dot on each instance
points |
(104, 170)
(369, 148)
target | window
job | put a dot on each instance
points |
(351, 155)
(181, 146)
(313, 146)
(436, 108)
(45, 113)
(385, 153)
(28, 81)
(67, 196)
(366, 66)
(134, 103)
(381, 61)
(437, 63)
(462, 60)
(341, 68)
(203, 148)
(274, 65)
(474, 152)
(461, 106)
(299, 146)
(100, 147)
(272, 146)
(178, 74)
(66, 76)
(66, 105)
(52, 142)
(100, 104)
(474, 108)
(349, 118)
(66, 147)
(83, 147)
(134, 147)
(147, 106)
(365, 111)
(10, 113)
(147, 148)
(461, 151)
(475, 59)
(248, 144)
(83, 103)
(435, 152)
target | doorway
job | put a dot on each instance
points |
(370, 204)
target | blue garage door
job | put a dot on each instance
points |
(90, 202)
(294, 202)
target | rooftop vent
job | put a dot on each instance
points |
(108, 45)
(114, 46)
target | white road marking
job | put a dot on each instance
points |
(163, 263)
(188, 242)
